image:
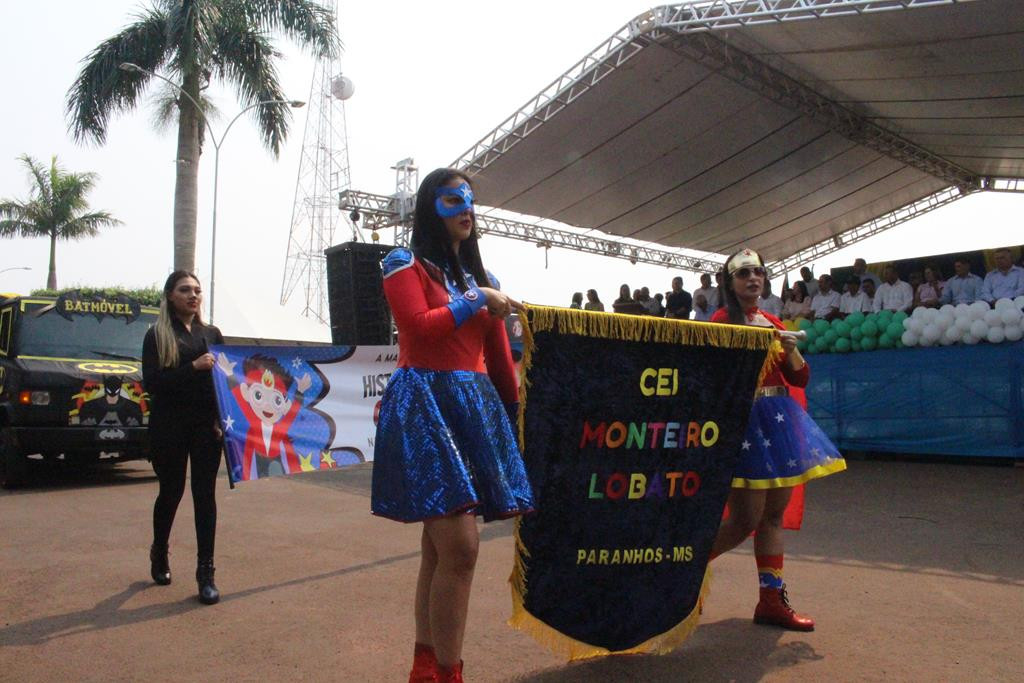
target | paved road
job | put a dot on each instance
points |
(914, 572)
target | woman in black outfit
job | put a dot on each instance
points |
(176, 365)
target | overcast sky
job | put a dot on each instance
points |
(429, 84)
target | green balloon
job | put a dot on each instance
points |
(830, 337)
(899, 342)
(885, 342)
(855, 319)
(821, 326)
(835, 322)
(811, 349)
(855, 345)
(802, 345)
(806, 324)
(843, 345)
(843, 329)
(868, 343)
(899, 317)
(855, 333)
(869, 328)
(821, 345)
(894, 329)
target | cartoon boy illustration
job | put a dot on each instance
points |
(263, 396)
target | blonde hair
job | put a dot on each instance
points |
(166, 342)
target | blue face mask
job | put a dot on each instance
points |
(462, 192)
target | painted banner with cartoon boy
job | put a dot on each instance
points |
(288, 409)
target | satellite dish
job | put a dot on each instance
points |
(342, 87)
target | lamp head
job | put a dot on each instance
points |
(129, 67)
(296, 104)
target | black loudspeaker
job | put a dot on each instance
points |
(355, 294)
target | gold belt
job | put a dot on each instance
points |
(771, 391)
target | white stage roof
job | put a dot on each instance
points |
(785, 125)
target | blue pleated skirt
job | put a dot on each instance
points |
(783, 447)
(445, 444)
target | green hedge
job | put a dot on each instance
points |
(149, 296)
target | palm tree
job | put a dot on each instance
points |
(57, 209)
(193, 42)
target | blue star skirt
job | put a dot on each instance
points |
(783, 447)
(445, 445)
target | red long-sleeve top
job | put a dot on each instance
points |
(782, 374)
(429, 338)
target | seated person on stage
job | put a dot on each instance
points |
(915, 280)
(853, 300)
(769, 302)
(705, 299)
(807, 277)
(894, 294)
(867, 288)
(1005, 282)
(799, 304)
(929, 291)
(825, 304)
(593, 301)
(964, 287)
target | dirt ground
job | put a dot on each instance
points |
(914, 571)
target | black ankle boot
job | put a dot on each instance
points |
(159, 566)
(208, 593)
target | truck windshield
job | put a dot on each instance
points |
(82, 336)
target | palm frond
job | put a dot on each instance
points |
(306, 22)
(102, 89)
(87, 225)
(246, 59)
(164, 105)
(191, 29)
(40, 177)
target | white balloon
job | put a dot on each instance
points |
(931, 333)
(1003, 303)
(995, 335)
(992, 318)
(945, 320)
(915, 325)
(909, 338)
(1014, 333)
(1019, 301)
(930, 315)
(963, 309)
(970, 339)
(1010, 316)
(948, 308)
(952, 334)
(908, 323)
(963, 323)
(978, 309)
(979, 329)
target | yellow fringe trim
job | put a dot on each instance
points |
(573, 649)
(646, 328)
(815, 472)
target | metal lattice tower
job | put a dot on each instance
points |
(323, 173)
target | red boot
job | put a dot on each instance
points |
(424, 665)
(449, 675)
(774, 609)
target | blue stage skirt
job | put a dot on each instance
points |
(783, 447)
(444, 445)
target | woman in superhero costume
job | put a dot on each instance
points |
(446, 449)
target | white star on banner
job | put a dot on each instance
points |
(296, 362)
(229, 422)
(760, 432)
(779, 417)
(815, 452)
(767, 443)
(746, 445)
(791, 463)
(768, 465)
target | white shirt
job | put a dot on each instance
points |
(853, 304)
(811, 285)
(894, 297)
(711, 294)
(773, 305)
(824, 303)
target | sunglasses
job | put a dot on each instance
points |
(744, 273)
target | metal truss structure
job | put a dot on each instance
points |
(686, 28)
(379, 212)
(323, 172)
(871, 228)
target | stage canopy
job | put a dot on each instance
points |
(793, 126)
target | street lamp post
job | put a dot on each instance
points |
(4, 270)
(295, 104)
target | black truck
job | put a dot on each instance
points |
(71, 380)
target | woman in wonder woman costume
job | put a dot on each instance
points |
(782, 448)
(446, 448)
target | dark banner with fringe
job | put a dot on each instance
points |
(630, 429)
